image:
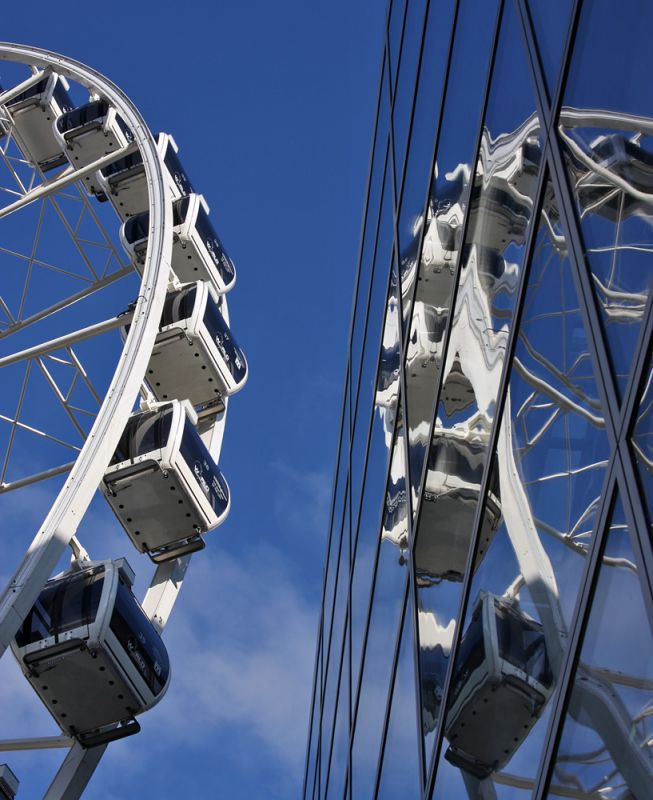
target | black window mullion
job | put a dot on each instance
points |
(391, 686)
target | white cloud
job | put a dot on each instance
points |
(242, 644)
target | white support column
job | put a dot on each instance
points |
(75, 773)
(163, 591)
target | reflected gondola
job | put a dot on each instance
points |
(162, 483)
(197, 253)
(91, 654)
(195, 355)
(33, 112)
(451, 493)
(502, 682)
(125, 184)
(88, 133)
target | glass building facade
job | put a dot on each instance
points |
(487, 600)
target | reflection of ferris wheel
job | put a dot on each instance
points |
(89, 322)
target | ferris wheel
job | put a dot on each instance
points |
(117, 361)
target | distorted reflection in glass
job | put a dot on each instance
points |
(502, 198)
(605, 129)
(366, 538)
(544, 494)
(610, 166)
(605, 747)
(435, 266)
(387, 386)
(642, 440)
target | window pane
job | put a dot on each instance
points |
(383, 422)
(385, 620)
(605, 131)
(502, 201)
(642, 441)
(372, 224)
(405, 91)
(551, 30)
(400, 778)
(444, 215)
(605, 746)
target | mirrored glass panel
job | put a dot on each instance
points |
(395, 33)
(387, 602)
(406, 78)
(401, 769)
(333, 646)
(381, 331)
(642, 439)
(380, 441)
(435, 267)
(340, 743)
(379, 207)
(502, 203)
(544, 495)
(605, 747)
(551, 28)
(606, 132)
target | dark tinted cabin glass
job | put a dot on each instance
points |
(220, 333)
(214, 246)
(84, 115)
(206, 471)
(143, 434)
(177, 172)
(179, 306)
(63, 605)
(140, 640)
(33, 91)
(137, 228)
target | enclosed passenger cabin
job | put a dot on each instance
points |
(124, 182)
(162, 483)
(33, 112)
(91, 654)
(451, 493)
(195, 355)
(197, 253)
(90, 132)
(501, 683)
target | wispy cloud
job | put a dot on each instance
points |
(243, 645)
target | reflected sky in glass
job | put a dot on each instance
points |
(605, 745)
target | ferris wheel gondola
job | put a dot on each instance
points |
(125, 185)
(163, 485)
(197, 252)
(91, 654)
(196, 355)
(33, 112)
(89, 132)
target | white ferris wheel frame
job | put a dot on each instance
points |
(58, 530)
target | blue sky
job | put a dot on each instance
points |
(272, 106)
